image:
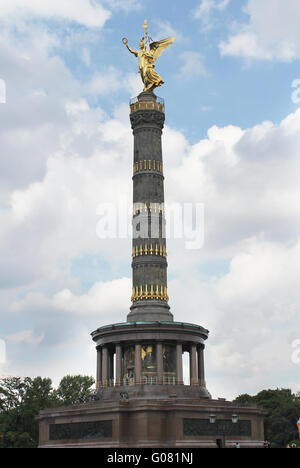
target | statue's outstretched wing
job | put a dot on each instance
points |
(157, 48)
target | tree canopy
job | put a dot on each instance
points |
(21, 400)
(283, 412)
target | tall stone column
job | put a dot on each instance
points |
(118, 364)
(104, 366)
(193, 365)
(99, 368)
(111, 364)
(138, 363)
(201, 369)
(159, 363)
(149, 254)
(179, 369)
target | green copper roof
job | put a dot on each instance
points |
(125, 324)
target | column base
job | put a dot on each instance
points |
(156, 311)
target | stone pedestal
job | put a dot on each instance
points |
(171, 421)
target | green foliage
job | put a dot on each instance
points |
(75, 389)
(21, 400)
(283, 412)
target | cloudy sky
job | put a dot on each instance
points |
(231, 142)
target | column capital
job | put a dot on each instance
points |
(201, 346)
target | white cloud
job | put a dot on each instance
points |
(105, 300)
(251, 312)
(42, 84)
(205, 10)
(257, 272)
(85, 12)
(111, 80)
(232, 168)
(124, 5)
(269, 34)
(106, 81)
(24, 337)
(165, 29)
(249, 183)
(193, 65)
(207, 6)
(86, 56)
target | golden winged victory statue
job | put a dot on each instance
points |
(148, 56)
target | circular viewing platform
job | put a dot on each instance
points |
(135, 354)
(147, 101)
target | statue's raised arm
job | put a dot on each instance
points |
(147, 58)
(134, 52)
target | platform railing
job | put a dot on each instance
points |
(144, 380)
(135, 100)
(136, 105)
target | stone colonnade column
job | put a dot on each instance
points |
(193, 365)
(111, 364)
(104, 366)
(201, 370)
(118, 364)
(159, 363)
(99, 368)
(138, 363)
(179, 369)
